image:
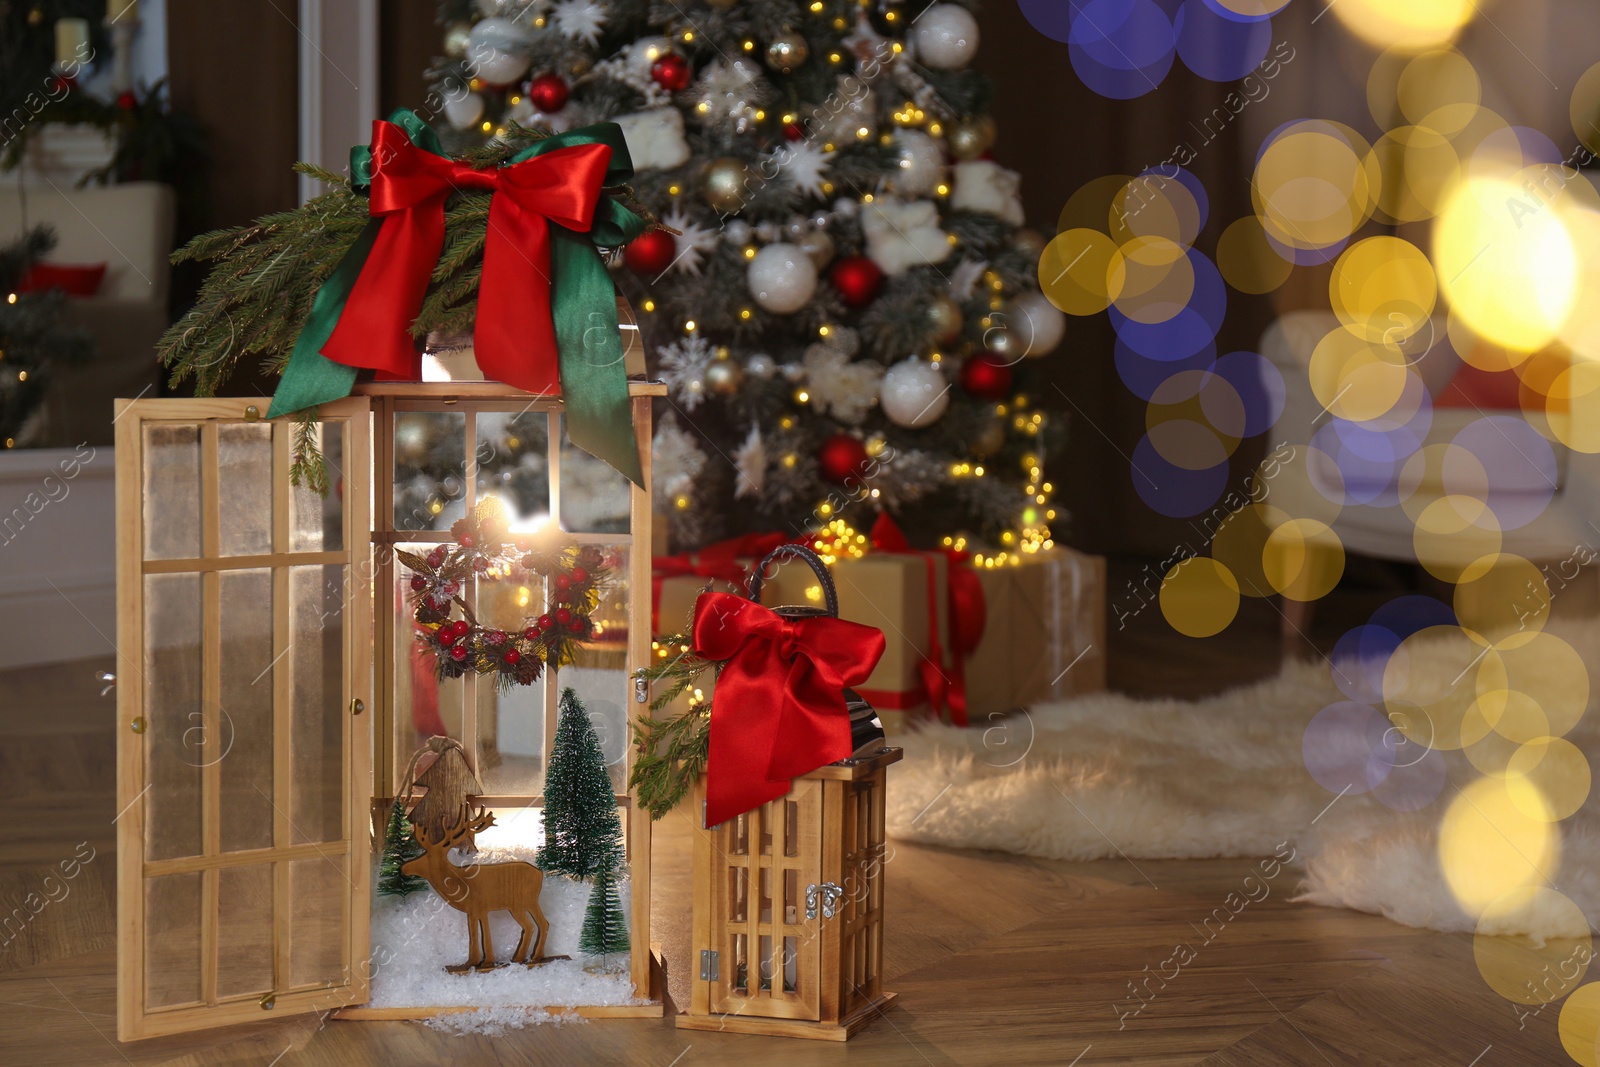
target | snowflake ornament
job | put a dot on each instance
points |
(964, 278)
(579, 20)
(731, 91)
(751, 462)
(683, 368)
(837, 386)
(867, 44)
(804, 165)
(676, 457)
(903, 233)
(695, 242)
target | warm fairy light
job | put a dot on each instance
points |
(789, 460)
(435, 506)
(862, 133)
(827, 187)
(802, 396)
(892, 16)
(838, 540)
(487, 126)
(649, 305)
(523, 596)
(22, 375)
(515, 99)
(786, 423)
(943, 190)
(744, 314)
(788, 118)
(749, 46)
(688, 35)
(934, 128)
(816, 8)
(761, 116)
(682, 503)
(839, 24)
(673, 190)
(750, 252)
(978, 471)
(11, 442)
(825, 508)
(11, 298)
(867, 199)
(689, 327)
(834, 57)
(823, 330)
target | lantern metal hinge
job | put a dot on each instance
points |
(829, 895)
(708, 965)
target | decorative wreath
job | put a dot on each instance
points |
(483, 550)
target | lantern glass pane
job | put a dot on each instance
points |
(316, 521)
(424, 705)
(171, 479)
(599, 672)
(244, 930)
(243, 741)
(513, 452)
(511, 738)
(594, 498)
(244, 488)
(430, 469)
(317, 719)
(319, 895)
(172, 924)
(172, 708)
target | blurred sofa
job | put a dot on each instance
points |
(129, 228)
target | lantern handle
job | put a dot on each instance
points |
(800, 552)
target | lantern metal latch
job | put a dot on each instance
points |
(829, 894)
(641, 689)
(708, 965)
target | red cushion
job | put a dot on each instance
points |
(1487, 390)
(74, 280)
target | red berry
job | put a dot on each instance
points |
(563, 582)
(672, 72)
(579, 624)
(580, 575)
(529, 562)
(563, 616)
(436, 557)
(418, 582)
(496, 638)
(793, 131)
(512, 656)
(458, 653)
(462, 627)
(446, 635)
(546, 622)
(480, 564)
(467, 541)
(548, 93)
(531, 634)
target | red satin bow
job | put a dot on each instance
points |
(778, 710)
(966, 611)
(720, 561)
(514, 337)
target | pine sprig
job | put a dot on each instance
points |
(309, 468)
(672, 752)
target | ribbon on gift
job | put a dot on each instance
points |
(965, 608)
(720, 561)
(778, 710)
(546, 313)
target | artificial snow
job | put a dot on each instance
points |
(492, 1022)
(416, 936)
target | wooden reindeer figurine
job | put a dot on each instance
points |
(479, 888)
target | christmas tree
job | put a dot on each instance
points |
(399, 847)
(843, 309)
(582, 833)
(32, 341)
(605, 928)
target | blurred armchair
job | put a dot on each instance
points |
(128, 227)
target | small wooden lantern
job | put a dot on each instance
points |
(789, 903)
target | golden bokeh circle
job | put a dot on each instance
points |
(1524, 969)
(1316, 184)
(1240, 544)
(1303, 560)
(1415, 25)
(1572, 407)
(1199, 597)
(1419, 695)
(1384, 289)
(1150, 279)
(1585, 109)
(1073, 271)
(1420, 167)
(1579, 1025)
(1559, 772)
(1503, 601)
(1153, 205)
(1437, 79)
(1457, 538)
(1248, 261)
(1090, 206)
(1488, 846)
(1540, 683)
(1355, 379)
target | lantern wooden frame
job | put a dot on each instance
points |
(771, 954)
(363, 677)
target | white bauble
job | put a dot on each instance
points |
(919, 164)
(782, 278)
(914, 393)
(463, 112)
(495, 51)
(1038, 324)
(945, 37)
(761, 366)
(737, 231)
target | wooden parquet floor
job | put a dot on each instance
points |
(997, 959)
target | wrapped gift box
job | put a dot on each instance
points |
(1045, 638)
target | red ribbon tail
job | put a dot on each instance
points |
(514, 337)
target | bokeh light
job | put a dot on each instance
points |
(1199, 597)
(1489, 846)
(1526, 970)
(1415, 25)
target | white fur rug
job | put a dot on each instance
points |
(1108, 776)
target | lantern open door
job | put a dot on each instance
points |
(243, 759)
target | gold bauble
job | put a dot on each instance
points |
(724, 376)
(972, 138)
(1030, 243)
(944, 320)
(819, 246)
(786, 52)
(989, 440)
(1002, 342)
(724, 185)
(457, 39)
(36, 16)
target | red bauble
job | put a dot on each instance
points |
(127, 101)
(548, 93)
(986, 376)
(651, 252)
(858, 280)
(672, 72)
(793, 131)
(841, 458)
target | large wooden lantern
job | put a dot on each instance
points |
(271, 692)
(789, 900)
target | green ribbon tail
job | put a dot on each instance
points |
(311, 378)
(594, 381)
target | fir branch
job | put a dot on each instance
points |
(309, 468)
